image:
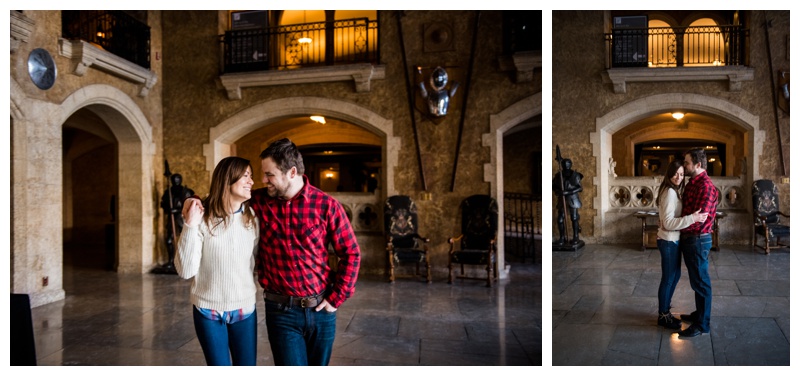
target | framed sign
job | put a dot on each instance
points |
(249, 19)
(630, 41)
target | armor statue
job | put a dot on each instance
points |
(566, 185)
(438, 98)
(172, 203)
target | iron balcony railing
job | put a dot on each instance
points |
(302, 45)
(659, 47)
(113, 30)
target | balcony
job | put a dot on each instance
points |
(697, 53)
(108, 40)
(112, 30)
(340, 50)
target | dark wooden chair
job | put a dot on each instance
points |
(403, 242)
(477, 243)
(767, 216)
(23, 343)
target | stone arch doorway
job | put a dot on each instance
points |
(493, 172)
(628, 113)
(134, 164)
(38, 170)
(224, 136)
(90, 192)
(364, 207)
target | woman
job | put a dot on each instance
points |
(217, 248)
(669, 209)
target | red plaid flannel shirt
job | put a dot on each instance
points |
(293, 251)
(701, 194)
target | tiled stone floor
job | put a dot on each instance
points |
(111, 319)
(605, 309)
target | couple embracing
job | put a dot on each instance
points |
(686, 221)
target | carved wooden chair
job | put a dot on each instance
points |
(477, 243)
(767, 216)
(403, 242)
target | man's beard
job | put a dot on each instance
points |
(277, 191)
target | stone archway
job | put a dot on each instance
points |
(223, 136)
(37, 148)
(620, 117)
(493, 172)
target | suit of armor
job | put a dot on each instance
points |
(571, 187)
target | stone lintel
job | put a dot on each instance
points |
(85, 55)
(735, 75)
(21, 29)
(522, 64)
(361, 74)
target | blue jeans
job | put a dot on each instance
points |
(221, 341)
(300, 336)
(670, 273)
(695, 251)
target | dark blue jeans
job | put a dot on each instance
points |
(221, 341)
(300, 336)
(670, 273)
(695, 249)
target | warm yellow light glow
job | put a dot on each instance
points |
(712, 159)
(304, 40)
(677, 115)
(318, 119)
(329, 175)
(327, 152)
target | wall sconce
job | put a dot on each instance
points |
(329, 175)
(318, 119)
(100, 34)
(677, 115)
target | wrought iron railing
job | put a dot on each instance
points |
(283, 47)
(113, 30)
(659, 47)
(522, 223)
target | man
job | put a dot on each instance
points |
(301, 292)
(569, 190)
(695, 244)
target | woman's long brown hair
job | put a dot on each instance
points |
(228, 171)
(672, 169)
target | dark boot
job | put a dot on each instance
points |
(668, 321)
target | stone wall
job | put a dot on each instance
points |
(194, 103)
(37, 152)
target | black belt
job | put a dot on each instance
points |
(294, 301)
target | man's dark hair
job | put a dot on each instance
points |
(698, 155)
(285, 154)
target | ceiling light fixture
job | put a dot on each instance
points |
(318, 119)
(677, 115)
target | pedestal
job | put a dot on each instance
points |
(167, 268)
(569, 246)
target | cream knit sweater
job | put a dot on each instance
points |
(669, 211)
(222, 264)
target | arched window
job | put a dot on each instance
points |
(316, 39)
(661, 44)
(704, 44)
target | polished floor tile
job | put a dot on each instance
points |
(111, 319)
(605, 309)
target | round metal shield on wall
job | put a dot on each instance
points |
(42, 69)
